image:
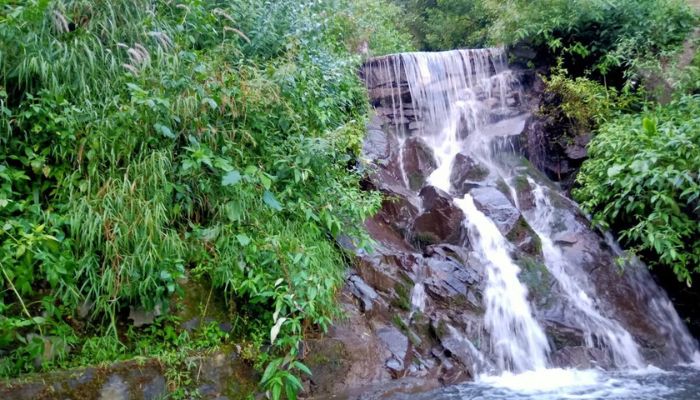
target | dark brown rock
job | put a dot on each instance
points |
(441, 220)
(466, 174)
(418, 162)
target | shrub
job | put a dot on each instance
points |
(142, 142)
(643, 179)
(602, 36)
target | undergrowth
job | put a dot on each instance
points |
(145, 143)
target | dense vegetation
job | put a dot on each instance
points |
(148, 146)
(642, 177)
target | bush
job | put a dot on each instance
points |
(643, 179)
(448, 24)
(145, 142)
(583, 103)
(601, 36)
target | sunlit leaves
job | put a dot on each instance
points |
(271, 201)
(231, 178)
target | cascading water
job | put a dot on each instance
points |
(518, 342)
(468, 103)
(607, 332)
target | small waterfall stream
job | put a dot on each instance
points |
(468, 103)
(606, 331)
(517, 340)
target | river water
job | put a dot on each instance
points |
(681, 383)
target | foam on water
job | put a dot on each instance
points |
(558, 383)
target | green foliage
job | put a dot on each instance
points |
(144, 141)
(448, 24)
(597, 35)
(581, 103)
(643, 178)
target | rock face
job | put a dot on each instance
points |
(415, 305)
(497, 207)
(418, 162)
(218, 376)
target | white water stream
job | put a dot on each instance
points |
(463, 99)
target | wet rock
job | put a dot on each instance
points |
(552, 149)
(114, 389)
(581, 357)
(418, 162)
(441, 222)
(454, 285)
(397, 212)
(416, 126)
(466, 174)
(458, 254)
(395, 341)
(385, 95)
(377, 144)
(384, 271)
(525, 238)
(459, 347)
(364, 293)
(497, 207)
(350, 356)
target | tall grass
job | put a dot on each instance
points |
(152, 141)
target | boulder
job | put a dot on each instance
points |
(364, 293)
(497, 207)
(441, 220)
(454, 285)
(418, 162)
(377, 145)
(466, 174)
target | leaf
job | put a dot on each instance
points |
(271, 369)
(649, 126)
(271, 201)
(276, 392)
(231, 178)
(291, 392)
(293, 381)
(302, 367)
(614, 170)
(266, 182)
(243, 239)
(164, 130)
(276, 329)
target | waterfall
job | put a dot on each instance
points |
(606, 331)
(468, 103)
(517, 340)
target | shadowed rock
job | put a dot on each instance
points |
(418, 162)
(466, 174)
(441, 220)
